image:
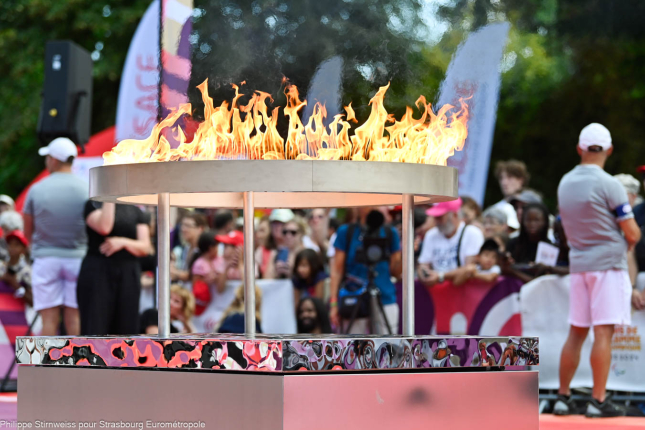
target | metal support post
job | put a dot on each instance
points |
(249, 264)
(163, 263)
(407, 242)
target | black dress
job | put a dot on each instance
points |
(523, 253)
(109, 287)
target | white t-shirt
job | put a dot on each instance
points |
(331, 251)
(308, 243)
(442, 252)
(495, 269)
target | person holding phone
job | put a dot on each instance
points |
(282, 263)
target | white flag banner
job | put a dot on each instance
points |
(136, 111)
(325, 88)
(475, 71)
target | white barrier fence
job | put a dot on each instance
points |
(278, 307)
(277, 311)
(545, 307)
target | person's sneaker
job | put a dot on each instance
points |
(565, 405)
(606, 409)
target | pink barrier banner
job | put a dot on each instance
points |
(545, 310)
(475, 308)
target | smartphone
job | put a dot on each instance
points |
(283, 255)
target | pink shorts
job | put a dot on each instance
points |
(600, 298)
(53, 281)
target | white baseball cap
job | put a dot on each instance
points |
(60, 148)
(7, 200)
(594, 135)
(281, 215)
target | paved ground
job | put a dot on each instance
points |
(9, 411)
(551, 422)
(8, 406)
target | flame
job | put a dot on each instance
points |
(234, 131)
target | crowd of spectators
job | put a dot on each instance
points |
(84, 265)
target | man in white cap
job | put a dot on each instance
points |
(600, 228)
(55, 226)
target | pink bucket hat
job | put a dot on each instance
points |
(440, 209)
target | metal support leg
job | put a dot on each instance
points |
(249, 264)
(408, 264)
(163, 264)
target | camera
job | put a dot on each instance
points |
(374, 248)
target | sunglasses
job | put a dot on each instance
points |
(291, 232)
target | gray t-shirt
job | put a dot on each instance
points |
(56, 204)
(591, 204)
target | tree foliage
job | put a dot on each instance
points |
(567, 63)
(25, 26)
(261, 42)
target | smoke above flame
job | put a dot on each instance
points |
(233, 131)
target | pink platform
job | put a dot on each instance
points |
(270, 401)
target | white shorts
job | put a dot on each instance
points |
(53, 281)
(600, 298)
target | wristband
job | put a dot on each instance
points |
(442, 277)
(333, 304)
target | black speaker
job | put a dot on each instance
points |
(66, 110)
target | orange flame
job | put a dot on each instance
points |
(231, 131)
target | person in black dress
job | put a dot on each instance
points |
(109, 283)
(522, 250)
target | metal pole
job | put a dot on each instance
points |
(249, 265)
(163, 263)
(408, 264)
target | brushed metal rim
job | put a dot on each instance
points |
(276, 183)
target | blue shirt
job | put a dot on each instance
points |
(358, 273)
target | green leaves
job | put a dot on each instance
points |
(25, 27)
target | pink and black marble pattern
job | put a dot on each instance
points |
(279, 353)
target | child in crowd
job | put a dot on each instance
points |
(204, 271)
(182, 308)
(309, 275)
(265, 245)
(231, 262)
(15, 273)
(486, 268)
(211, 269)
(233, 319)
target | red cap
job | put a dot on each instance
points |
(17, 234)
(235, 238)
(640, 169)
(440, 209)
